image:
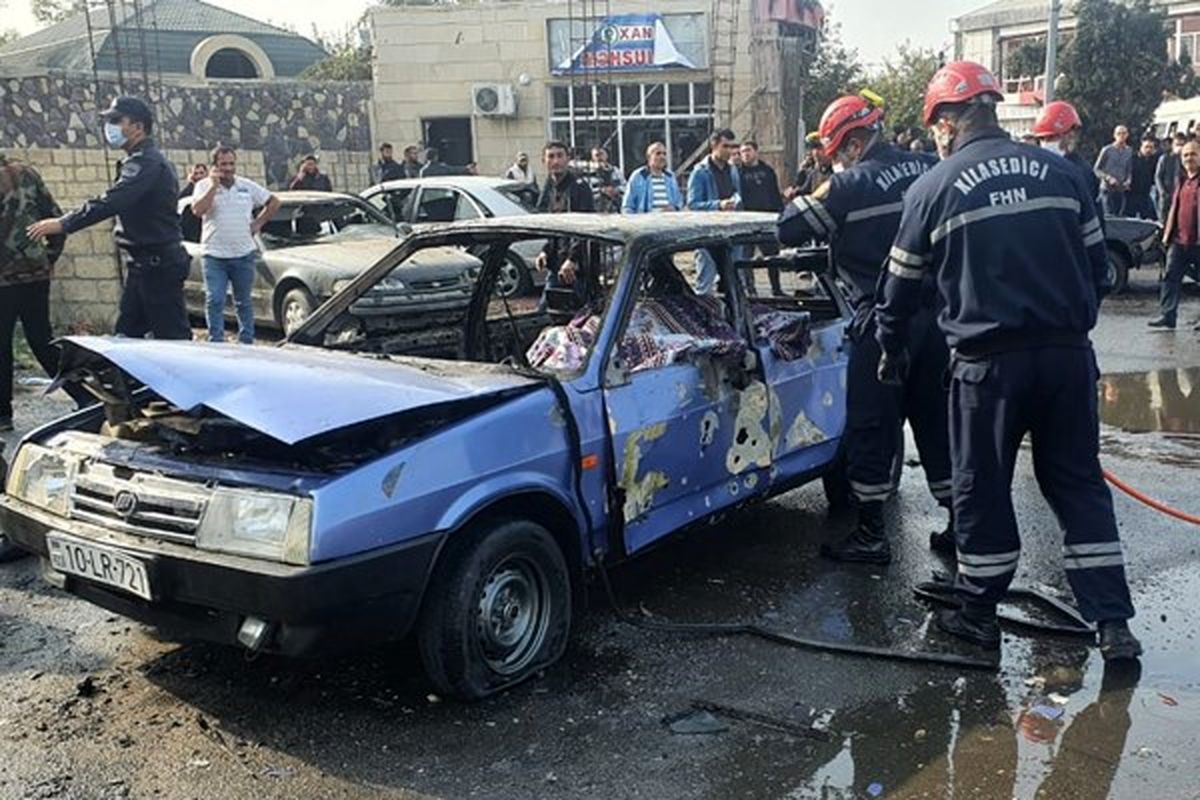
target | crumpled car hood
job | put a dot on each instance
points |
(291, 393)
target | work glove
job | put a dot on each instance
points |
(893, 368)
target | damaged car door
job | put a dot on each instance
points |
(799, 327)
(688, 410)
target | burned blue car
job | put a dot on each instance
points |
(365, 481)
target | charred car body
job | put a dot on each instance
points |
(338, 488)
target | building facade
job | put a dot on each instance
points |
(484, 80)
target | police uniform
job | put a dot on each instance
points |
(858, 212)
(144, 201)
(1014, 240)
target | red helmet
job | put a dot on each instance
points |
(1056, 119)
(844, 115)
(958, 83)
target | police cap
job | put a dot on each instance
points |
(131, 108)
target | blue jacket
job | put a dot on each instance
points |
(639, 196)
(1013, 237)
(858, 212)
(702, 187)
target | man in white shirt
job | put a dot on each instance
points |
(521, 171)
(226, 203)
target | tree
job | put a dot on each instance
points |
(1115, 70)
(347, 62)
(52, 11)
(902, 82)
(8, 35)
(835, 71)
(1027, 60)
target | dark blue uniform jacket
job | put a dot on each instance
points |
(1011, 233)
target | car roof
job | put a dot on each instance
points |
(667, 228)
(456, 181)
(303, 197)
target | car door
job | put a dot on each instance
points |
(688, 413)
(799, 336)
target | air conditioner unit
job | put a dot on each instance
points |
(493, 100)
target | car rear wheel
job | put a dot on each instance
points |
(295, 307)
(1118, 271)
(498, 609)
(515, 279)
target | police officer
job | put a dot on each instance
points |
(858, 212)
(1013, 238)
(143, 200)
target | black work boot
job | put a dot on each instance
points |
(866, 544)
(1117, 642)
(975, 622)
(942, 542)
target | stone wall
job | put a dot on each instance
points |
(50, 123)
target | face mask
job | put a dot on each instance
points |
(839, 166)
(1054, 147)
(114, 135)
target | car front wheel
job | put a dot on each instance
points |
(1118, 271)
(515, 279)
(497, 611)
(295, 307)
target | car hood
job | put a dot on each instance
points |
(350, 257)
(291, 393)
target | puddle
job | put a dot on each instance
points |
(1165, 400)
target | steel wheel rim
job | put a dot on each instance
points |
(294, 314)
(509, 279)
(513, 615)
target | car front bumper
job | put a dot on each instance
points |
(201, 595)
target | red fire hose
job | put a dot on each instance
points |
(1150, 501)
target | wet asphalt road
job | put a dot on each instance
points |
(91, 706)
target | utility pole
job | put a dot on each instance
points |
(1052, 51)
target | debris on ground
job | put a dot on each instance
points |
(691, 723)
(87, 687)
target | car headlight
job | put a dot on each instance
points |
(42, 477)
(257, 524)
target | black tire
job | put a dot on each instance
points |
(515, 279)
(497, 610)
(9, 551)
(1118, 270)
(296, 305)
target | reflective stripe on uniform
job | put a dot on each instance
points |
(874, 211)
(1092, 239)
(1094, 562)
(1093, 555)
(988, 559)
(908, 259)
(908, 273)
(870, 492)
(816, 221)
(1009, 209)
(994, 571)
(1091, 225)
(941, 489)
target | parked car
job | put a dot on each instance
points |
(318, 241)
(1132, 244)
(454, 198)
(338, 489)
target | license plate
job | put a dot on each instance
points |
(98, 563)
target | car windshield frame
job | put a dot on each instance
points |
(379, 220)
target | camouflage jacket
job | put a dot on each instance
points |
(24, 200)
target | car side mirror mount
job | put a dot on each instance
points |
(403, 230)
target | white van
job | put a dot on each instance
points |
(1177, 115)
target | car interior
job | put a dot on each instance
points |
(667, 323)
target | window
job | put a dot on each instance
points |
(626, 117)
(231, 63)
(396, 203)
(444, 205)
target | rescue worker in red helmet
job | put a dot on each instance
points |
(1057, 129)
(1012, 235)
(858, 211)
